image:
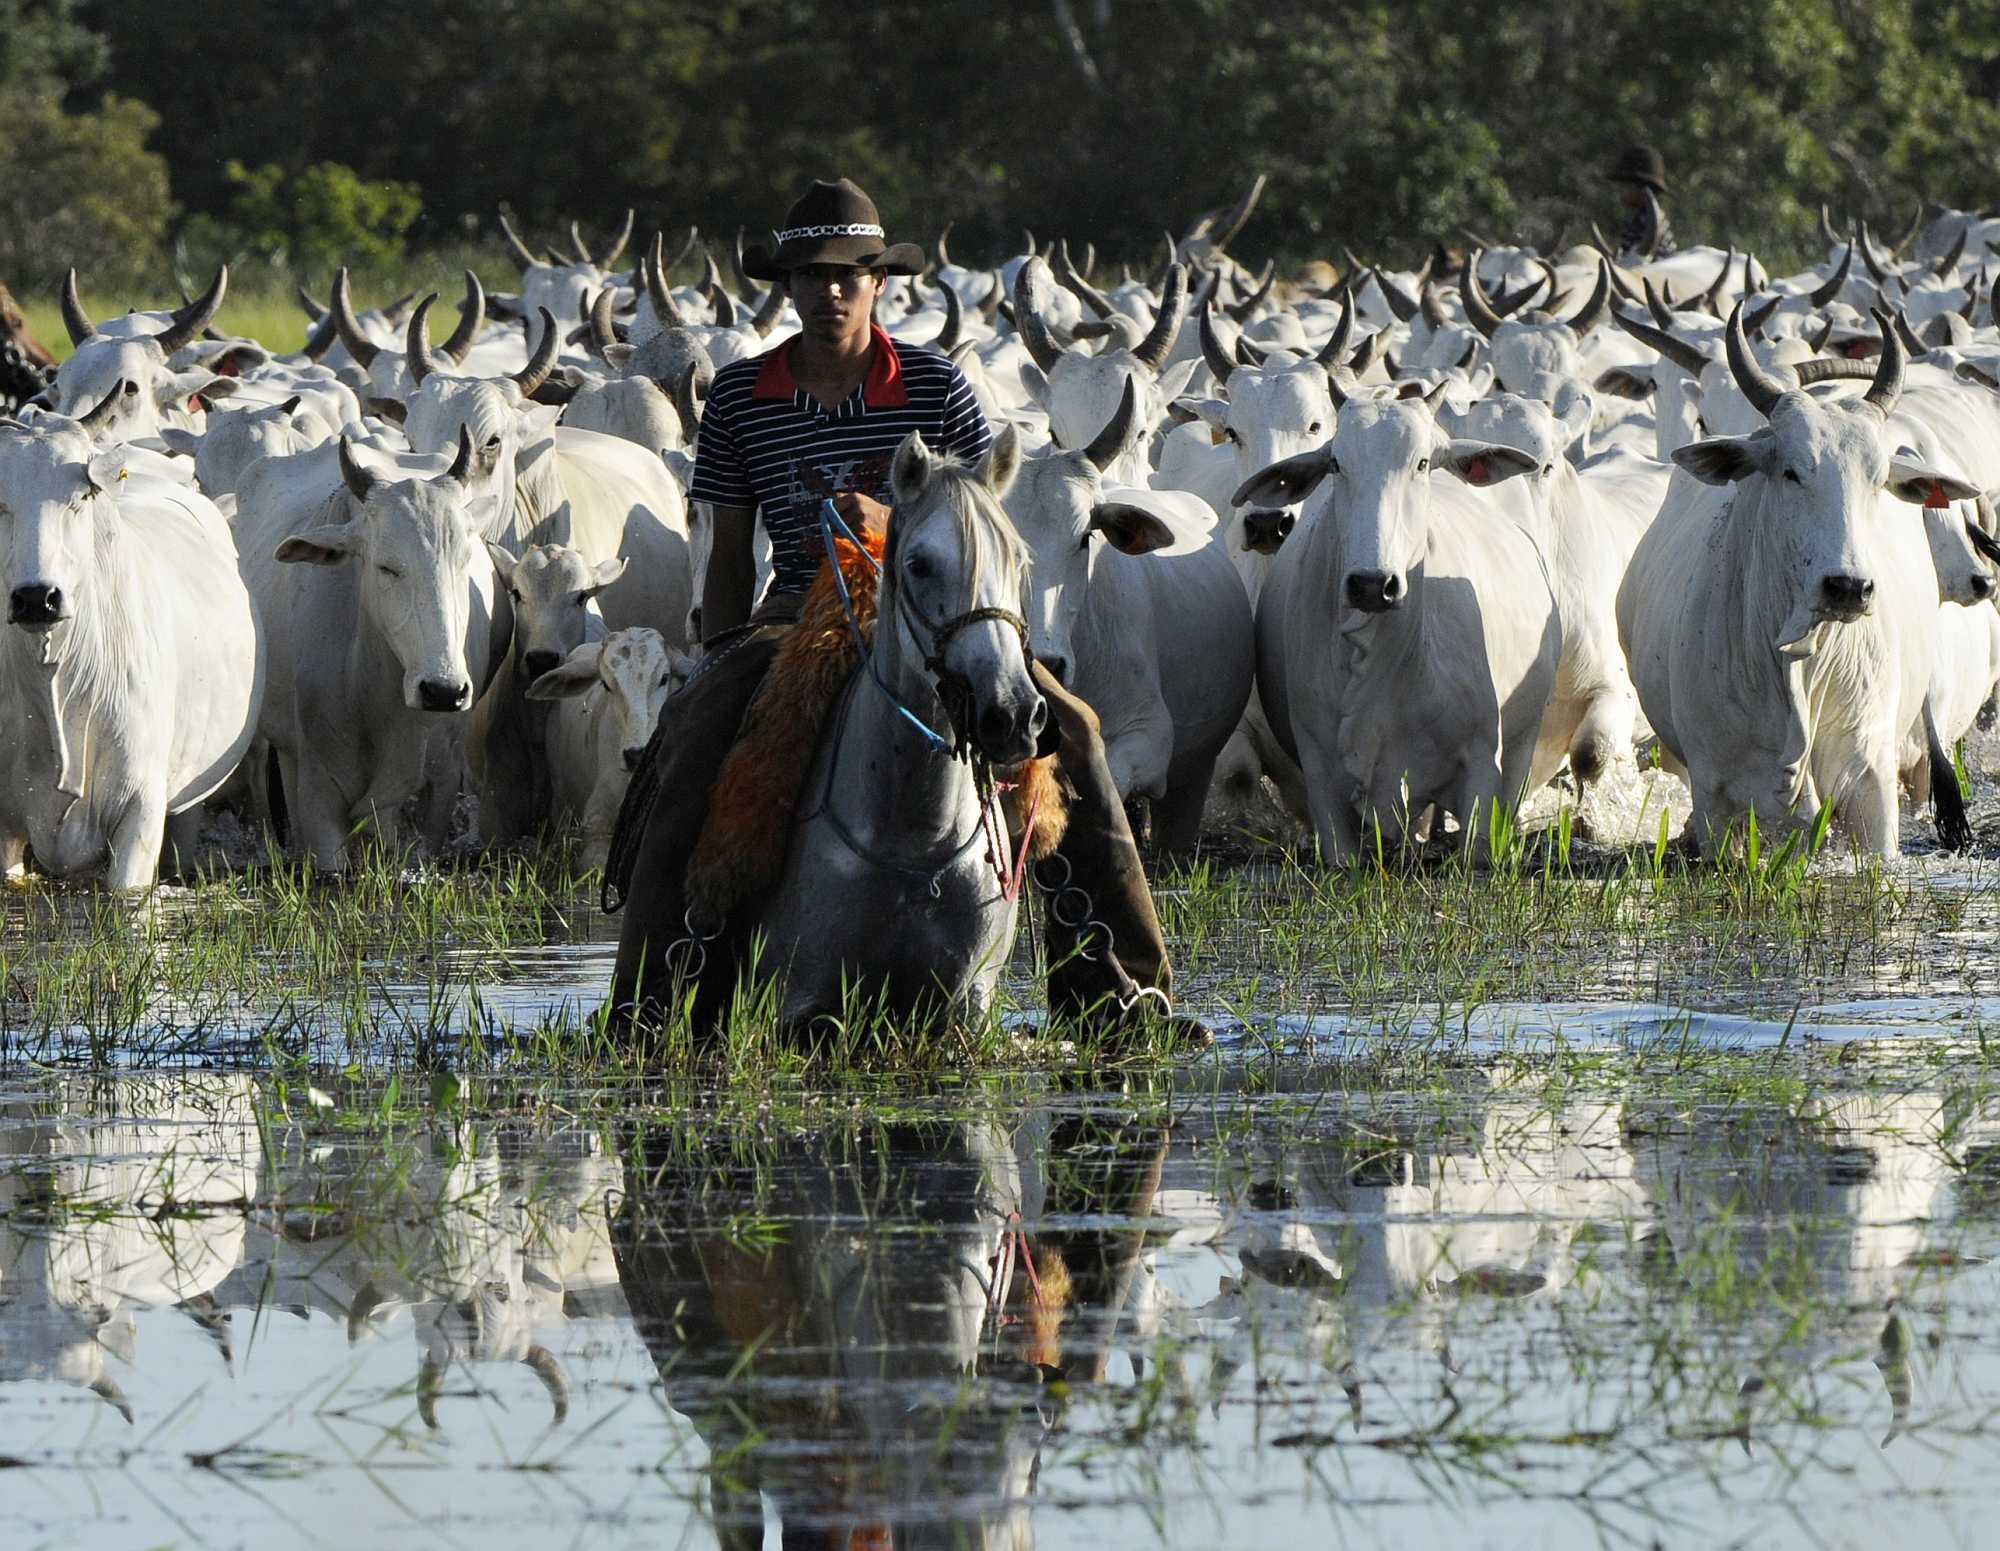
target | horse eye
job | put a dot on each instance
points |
(1793, 476)
(919, 566)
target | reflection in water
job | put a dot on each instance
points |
(861, 1328)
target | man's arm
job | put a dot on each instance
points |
(729, 585)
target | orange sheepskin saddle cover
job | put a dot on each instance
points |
(740, 854)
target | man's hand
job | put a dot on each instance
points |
(862, 513)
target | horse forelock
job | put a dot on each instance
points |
(988, 540)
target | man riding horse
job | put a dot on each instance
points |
(827, 416)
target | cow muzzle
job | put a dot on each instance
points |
(537, 663)
(1845, 597)
(36, 606)
(1264, 531)
(1374, 592)
(443, 695)
(633, 757)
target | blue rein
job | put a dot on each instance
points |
(829, 520)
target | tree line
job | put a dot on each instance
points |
(258, 129)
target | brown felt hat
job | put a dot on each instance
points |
(831, 223)
(1641, 164)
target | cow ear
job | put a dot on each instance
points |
(681, 466)
(178, 387)
(1036, 384)
(571, 677)
(1722, 460)
(1625, 382)
(1972, 371)
(106, 467)
(619, 356)
(1172, 381)
(1210, 412)
(1921, 485)
(1131, 530)
(503, 561)
(603, 574)
(1485, 463)
(1285, 482)
(180, 439)
(392, 410)
(1003, 462)
(538, 420)
(911, 470)
(482, 514)
(322, 546)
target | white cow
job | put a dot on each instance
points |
(392, 632)
(132, 677)
(1407, 637)
(1780, 627)
(609, 695)
(1158, 643)
(130, 354)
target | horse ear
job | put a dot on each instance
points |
(1003, 462)
(911, 471)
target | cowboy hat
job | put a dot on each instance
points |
(831, 223)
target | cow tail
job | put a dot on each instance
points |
(1947, 797)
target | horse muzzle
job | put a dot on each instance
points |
(1009, 734)
(36, 606)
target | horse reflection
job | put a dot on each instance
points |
(117, 1196)
(861, 1328)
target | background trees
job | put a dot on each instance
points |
(303, 134)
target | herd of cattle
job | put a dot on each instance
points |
(1408, 545)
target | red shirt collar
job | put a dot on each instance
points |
(882, 388)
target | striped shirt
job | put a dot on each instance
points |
(766, 443)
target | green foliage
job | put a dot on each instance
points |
(316, 219)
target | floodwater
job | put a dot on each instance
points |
(1512, 1303)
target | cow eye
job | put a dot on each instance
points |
(388, 570)
(1793, 476)
(514, 593)
(1313, 429)
(1229, 434)
(582, 598)
(1423, 465)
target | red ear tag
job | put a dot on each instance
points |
(1935, 501)
(1477, 473)
(197, 404)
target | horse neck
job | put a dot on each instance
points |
(889, 781)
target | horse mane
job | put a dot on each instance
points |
(987, 536)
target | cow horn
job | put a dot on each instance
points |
(618, 247)
(577, 245)
(430, 1384)
(189, 321)
(1066, 275)
(1887, 387)
(359, 345)
(725, 304)
(684, 400)
(954, 320)
(1151, 352)
(325, 331)
(1868, 256)
(1754, 324)
(313, 310)
(1432, 308)
(1825, 333)
(1334, 391)
(75, 319)
(1826, 226)
(1596, 305)
(461, 465)
(106, 1389)
(769, 311)
(96, 416)
(996, 293)
(417, 345)
(1108, 445)
(1479, 242)
(1401, 303)
(944, 253)
(1477, 308)
(1826, 293)
(1660, 307)
(1759, 386)
(1028, 319)
(1916, 225)
(1656, 221)
(291, 405)
(1335, 348)
(541, 1362)
(687, 247)
(665, 308)
(1684, 355)
(1510, 302)
(1721, 279)
(1241, 311)
(1906, 334)
(1972, 289)
(1364, 354)
(1599, 240)
(1810, 372)
(601, 336)
(471, 319)
(536, 372)
(1249, 354)
(1232, 223)
(522, 256)
(1220, 362)
(1949, 262)
(359, 482)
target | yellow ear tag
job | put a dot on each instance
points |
(1216, 436)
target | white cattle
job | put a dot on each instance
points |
(130, 356)
(237, 437)
(1407, 637)
(133, 673)
(1081, 392)
(387, 372)
(552, 592)
(1158, 643)
(1588, 525)
(391, 636)
(1780, 627)
(608, 695)
(1538, 349)
(548, 283)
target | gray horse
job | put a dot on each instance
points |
(888, 884)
